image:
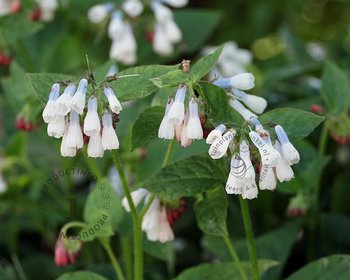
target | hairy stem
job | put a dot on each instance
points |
(107, 246)
(250, 238)
(235, 257)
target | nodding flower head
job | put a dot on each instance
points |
(220, 145)
(113, 101)
(62, 104)
(288, 150)
(99, 13)
(256, 103)
(194, 128)
(109, 137)
(245, 113)
(283, 170)
(133, 8)
(92, 125)
(166, 129)
(78, 100)
(243, 81)
(49, 110)
(176, 112)
(215, 133)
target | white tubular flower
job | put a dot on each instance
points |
(49, 110)
(250, 190)
(65, 150)
(56, 127)
(116, 27)
(161, 43)
(78, 100)
(245, 113)
(136, 197)
(47, 8)
(92, 125)
(185, 141)
(109, 137)
(178, 132)
(288, 150)
(176, 112)
(220, 145)
(244, 153)
(62, 104)
(283, 170)
(5, 7)
(155, 223)
(113, 101)
(133, 8)
(166, 129)
(243, 81)
(95, 149)
(194, 128)
(175, 3)
(256, 103)
(172, 31)
(99, 13)
(267, 180)
(233, 185)
(165, 231)
(74, 134)
(215, 133)
(161, 12)
(269, 156)
(124, 48)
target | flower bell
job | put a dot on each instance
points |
(62, 104)
(288, 150)
(109, 137)
(92, 125)
(176, 112)
(215, 133)
(283, 170)
(74, 133)
(56, 127)
(113, 101)
(194, 128)
(99, 13)
(267, 179)
(78, 100)
(269, 156)
(65, 150)
(116, 27)
(243, 81)
(49, 110)
(256, 103)
(136, 197)
(220, 145)
(161, 44)
(133, 8)
(166, 129)
(95, 149)
(245, 113)
(184, 140)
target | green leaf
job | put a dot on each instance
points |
(204, 65)
(146, 126)
(222, 271)
(42, 83)
(328, 268)
(15, 27)
(335, 88)
(102, 212)
(81, 275)
(211, 212)
(170, 79)
(191, 22)
(140, 86)
(188, 177)
(297, 123)
(219, 109)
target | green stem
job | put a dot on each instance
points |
(168, 153)
(72, 224)
(118, 165)
(250, 238)
(106, 245)
(18, 267)
(235, 257)
(138, 252)
(127, 257)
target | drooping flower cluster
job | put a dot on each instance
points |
(124, 47)
(158, 218)
(66, 254)
(62, 113)
(232, 61)
(177, 122)
(276, 158)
